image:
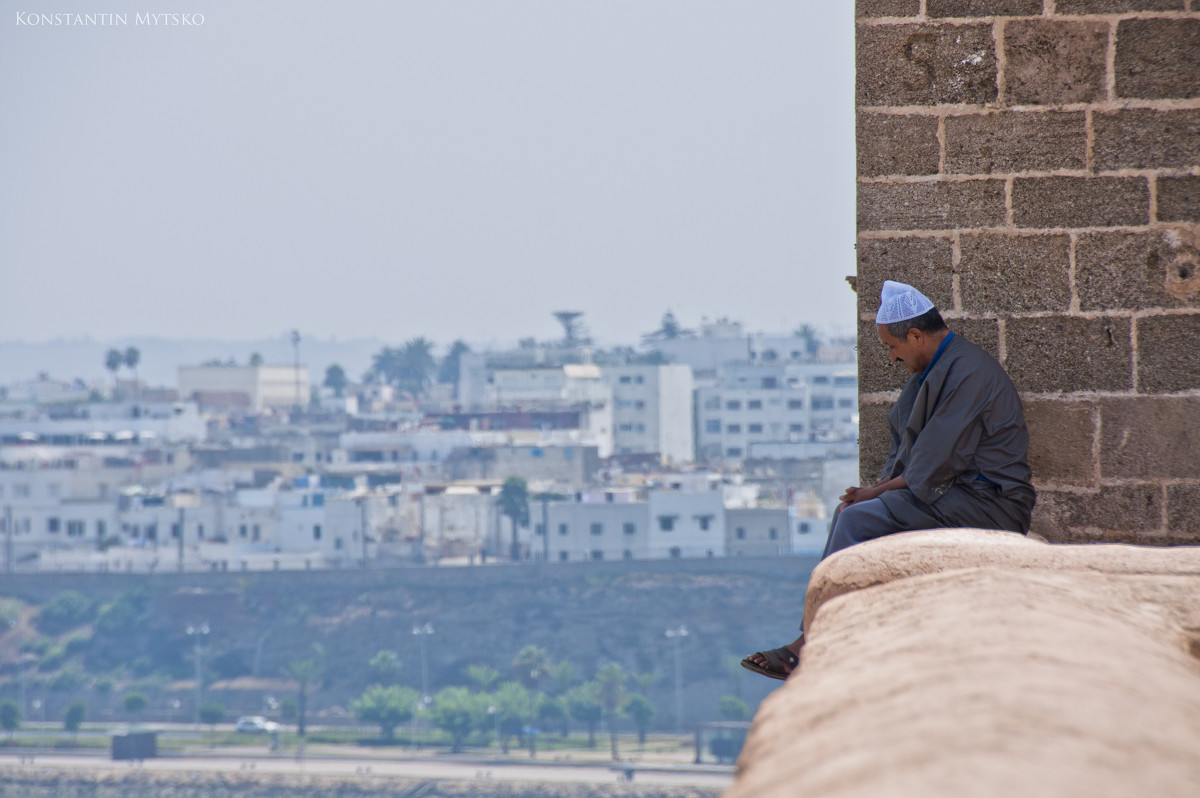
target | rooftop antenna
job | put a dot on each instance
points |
(574, 333)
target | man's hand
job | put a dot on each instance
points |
(856, 494)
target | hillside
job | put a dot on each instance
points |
(131, 630)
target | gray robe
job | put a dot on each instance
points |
(960, 440)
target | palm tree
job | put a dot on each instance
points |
(385, 364)
(531, 666)
(417, 365)
(812, 339)
(514, 503)
(642, 712)
(584, 706)
(610, 685)
(448, 370)
(132, 357)
(307, 673)
(482, 676)
(113, 360)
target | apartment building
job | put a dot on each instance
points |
(757, 532)
(756, 408)
(667, 524)
(652, 411)
(249, 389)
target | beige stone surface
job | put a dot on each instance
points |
(965, 662)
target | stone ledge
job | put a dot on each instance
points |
(967, 662)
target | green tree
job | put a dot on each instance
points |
(10, 716)
(385, 666)
(134, 702)
(67, 610)
(132, 358)
(417, 366)
(514, 503)
(73, 718)
(644, 681)
(583, 703)
(211, 713)
(642, 711)
(113, 360)
(335, 379)
(812, 339)
(511, 700)
(408, 368)
(124, 617)
(449, 368)
(610, 690)
(287, 710)
(458, 712)
(531, 666)
(553, 712)
(733, 708)
(387, 706)
(385, 366)
(562, 677)
(482, 676)
(69, 679)
(307, 674)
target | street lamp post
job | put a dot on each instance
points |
(424, 703)
(197, 633)
(38, 704)
(494, 711)
(422, 632)
(676, 637)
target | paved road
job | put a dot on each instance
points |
(433, 768)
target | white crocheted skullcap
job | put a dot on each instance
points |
(900, 302)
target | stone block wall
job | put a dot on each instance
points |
(1034, 167)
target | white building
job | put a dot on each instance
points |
(104, 424)
(757, 532)
(593, 531)
(456, 520)
(59, 497)
(757, 410)
(668, 524)
(719, 342)
(652, 411)
(251, 389)
(580, 385)
(809, 524)
(686, 524)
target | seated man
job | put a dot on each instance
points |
(959, 452)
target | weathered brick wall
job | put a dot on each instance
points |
(1034, 167)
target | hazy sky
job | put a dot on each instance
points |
(447, 169)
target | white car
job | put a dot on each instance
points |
(256, 724)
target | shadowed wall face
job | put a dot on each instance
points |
(1034, 167)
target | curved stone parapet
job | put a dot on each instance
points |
(968, 662)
